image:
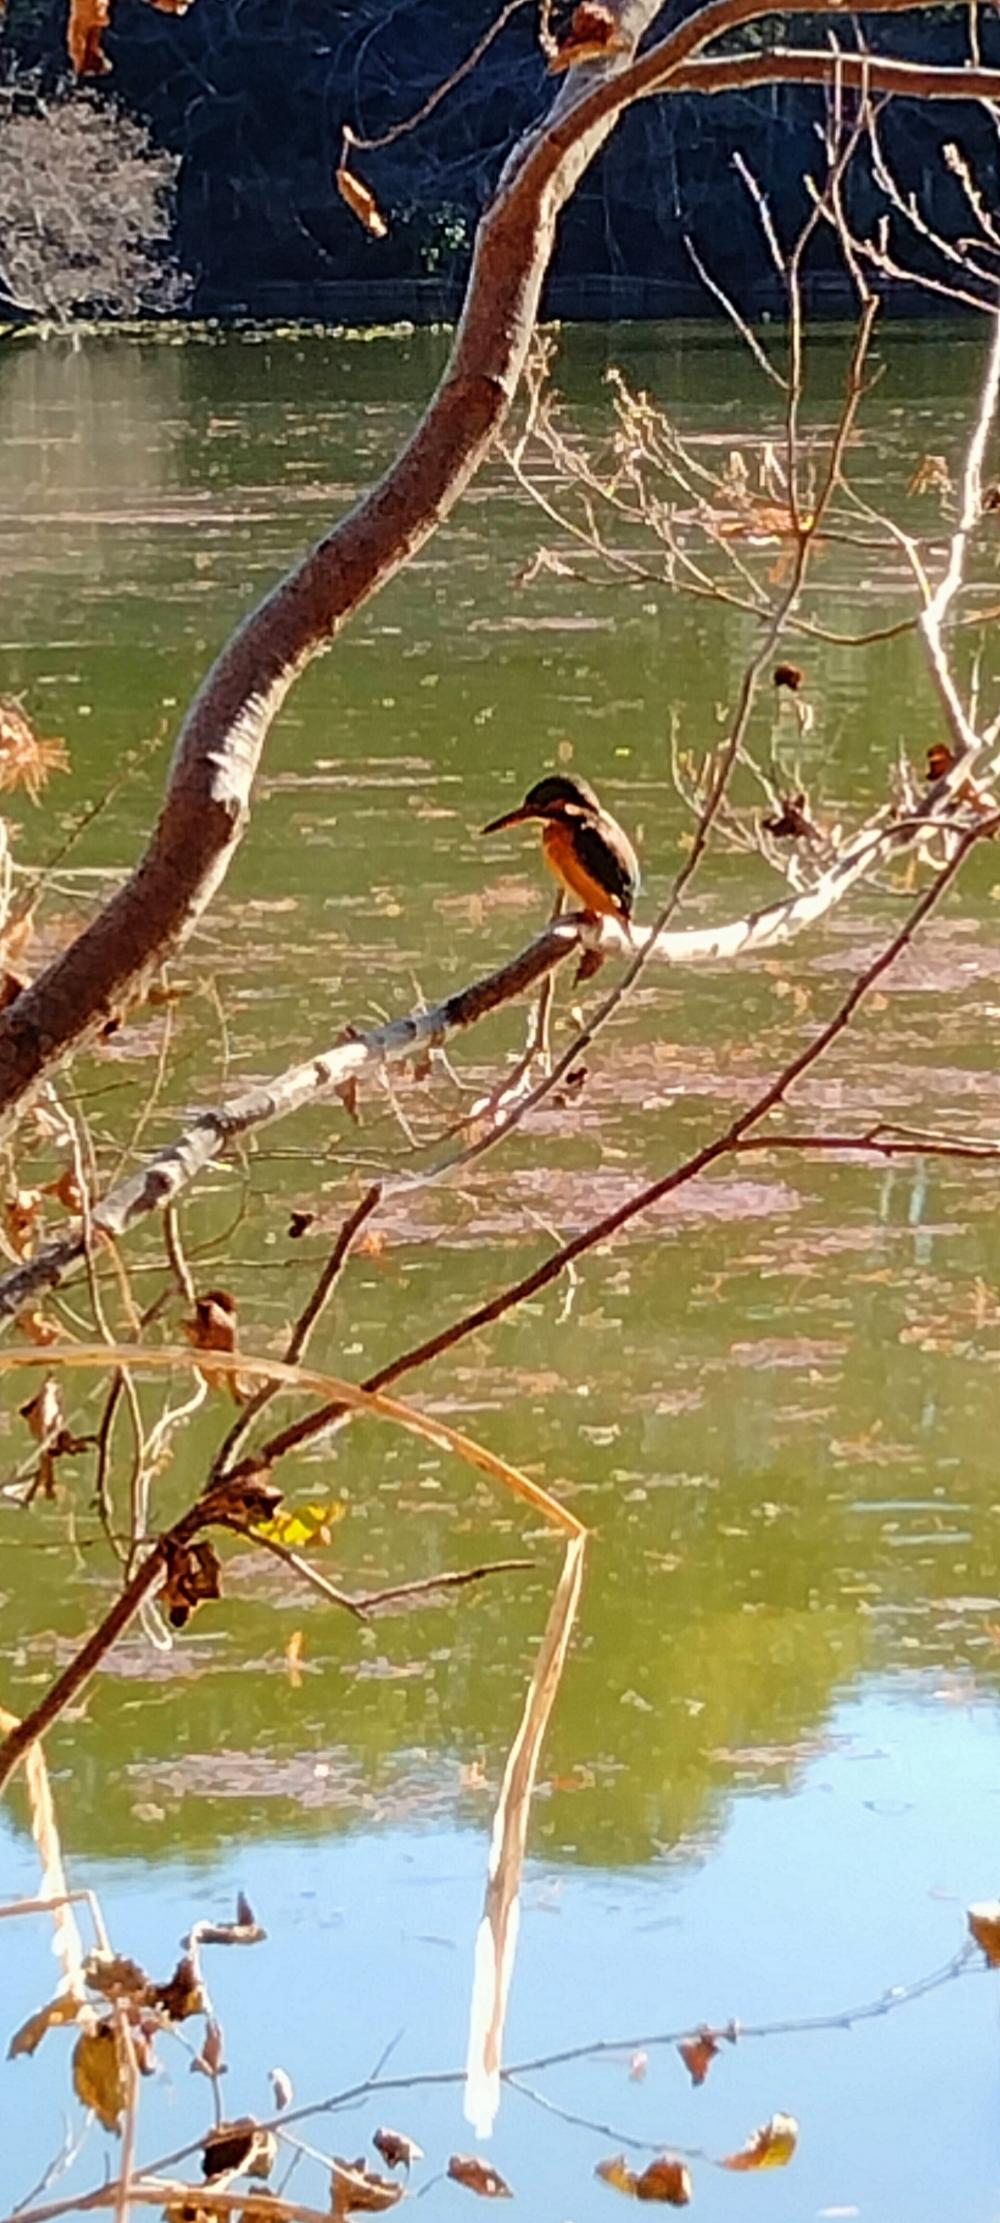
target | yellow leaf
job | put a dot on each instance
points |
(58, 2011)
(97, 2075)
(304, 1525)
(771, 2147)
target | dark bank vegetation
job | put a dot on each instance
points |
(774, 526)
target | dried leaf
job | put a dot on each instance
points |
(356, 2189)
(12, 985)
(66, 1189)
(771, 2147)
(44, 1413)
(281, 2086)
(240, 2149)
(20, 1215)
(54, 2016)
(193, 1575)
(196, 2211)
(98, 2078)
(246, 1930)
(984, 1925)
(364, 206)
(33, 1324)
(931, 476)
(666, 2179)
(348, 1093)
(115, 1976)
(593, 35)
(246, 1499)
(211, 2060)
(788, 675)
(698, 2054)
(479, 2176)
(397, 2151)
(299, 1223)
(213, 1328)
(182, 1995)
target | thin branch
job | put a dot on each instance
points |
(302, 1330)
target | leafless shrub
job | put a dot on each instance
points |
(85, 208)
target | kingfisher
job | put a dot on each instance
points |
(582, 844)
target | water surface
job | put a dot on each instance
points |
(770, 1786)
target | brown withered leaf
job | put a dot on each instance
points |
(240, 2148)
(211, 2060)
(246, 1499)
(364, 206)
(43, 1412)
(98, 2077)
(33, 1324)
(931, 476)
(666, 2179)
(281, 2086)
(88, 20)
(349, 1094)
(246, 1930)
(788, 675)
(698, 2054)
(196, 2211)
(144, 2032)
(792, 821)
(213, 1328)
(54, 2016)
(770, 2147)
(479, 2176)
(20, 1216)
(192, 1576)
(182, 1995)
(984, 1925)
(397, 2151)
(12, 985)
(66, 1189)
(357, 2190)
(115, 1976)
(299, 1223)
(593, 35)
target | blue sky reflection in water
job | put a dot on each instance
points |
(771, 1782)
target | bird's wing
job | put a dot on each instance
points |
(608, 855)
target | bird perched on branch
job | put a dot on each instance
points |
(582, 844)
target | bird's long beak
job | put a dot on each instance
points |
(510, 818)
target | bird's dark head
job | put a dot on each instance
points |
(556, 796)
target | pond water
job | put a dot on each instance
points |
(770, 1786)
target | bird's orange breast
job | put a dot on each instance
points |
(562, 859)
